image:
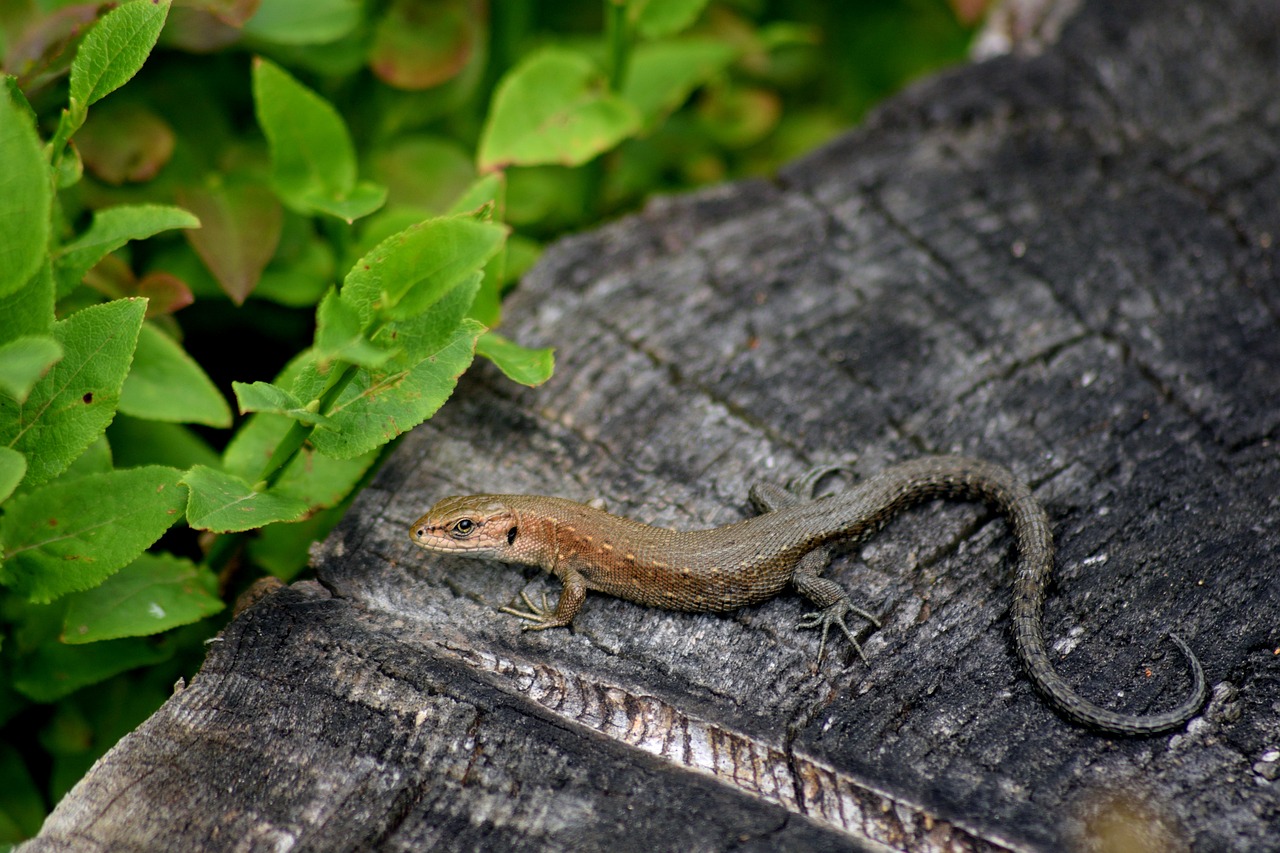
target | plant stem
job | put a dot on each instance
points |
(618, 42)
(298, 434)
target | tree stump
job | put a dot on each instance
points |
(1065, 264)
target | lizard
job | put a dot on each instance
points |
(749, 561)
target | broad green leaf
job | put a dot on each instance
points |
(304, 21)
(554, 107)
(316, 480)
(225, 503)
(166, 384)
(663, 74)
(484, 192)
(154, 593)
(520, 364)
(23, 361)
(113, 51)
(340, 334)
(29, 309)
(73, 403)
(25, 196)
(13, 466)
(659, 18)
(55, 670)
(375, 409)
(418, 44)
(424, 172)
(72, 535)
(313, 161)
(240, 229)
(265, 397)
(22, 808)
(140, 442)
(409, 272)
(111, 229)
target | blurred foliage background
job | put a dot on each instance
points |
(437, 96)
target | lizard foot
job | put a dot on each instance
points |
(541, 616)
(834, 614)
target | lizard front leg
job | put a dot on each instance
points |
(542, 617)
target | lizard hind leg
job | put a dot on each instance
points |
(830, 599)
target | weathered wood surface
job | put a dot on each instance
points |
(1065, 264)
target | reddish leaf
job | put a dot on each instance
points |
(423, 43)
(240, 229)
(44, 50)
(125, 142)
(199, 31)
(165, 293)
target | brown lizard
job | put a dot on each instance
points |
(754, 559)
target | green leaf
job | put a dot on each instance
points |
(72, 535)
(282, 549)
(23, 361)
(13, 466)
(25, 196)
(28, 310)
(113, 51)
(240, 229)
(520, 364)
(73, 403)
(139, 442)
(154, 593)
(265, 397)
(225, 503)
(423, 172)
(304, 21)
(483, 193)
(313, 161)
(658, 18)
(409, 272)
(55, 670)
(374, 409)
(166, 384)
(662, 75)
(340, 335)
(554, 107)
(111, 229)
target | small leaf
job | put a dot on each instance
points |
(154, 593)
(240, 230)
(114, 50)
(407, 273)
(313, 161)
(225, 503)
(166, 384)
(137, 442)
(73, 403)
(13, 466)
(23, 361)
(424, 172)
(340, 335)
(265, 397)
(25, 196)
(663, 74)
(520, 364)
(418, 44)
(111, 229)
(304, 21)
(658, 18)
(73, 534)
(554, 107)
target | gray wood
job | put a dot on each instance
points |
(1066, 264)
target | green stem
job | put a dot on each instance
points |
(618, 41)
(298, 434)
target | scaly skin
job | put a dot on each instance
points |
(747, 562)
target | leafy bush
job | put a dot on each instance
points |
(334, 194)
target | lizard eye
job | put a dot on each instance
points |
(463, 527)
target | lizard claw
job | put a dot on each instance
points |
(834, 615)
(541, 616)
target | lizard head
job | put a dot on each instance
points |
(475, 525)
